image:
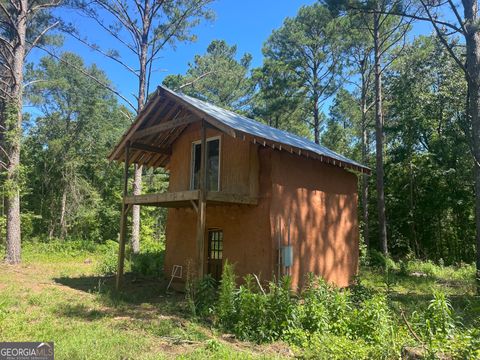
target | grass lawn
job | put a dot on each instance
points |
(59, 297)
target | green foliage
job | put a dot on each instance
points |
(276, 102)
(109, 260)
(69, 248)
(263, 317)
(3, 231)
(330, 323)
(217, 77)
(308, 50)
(377, 259)
(226, 297)
(467, 344)
(149, 262)
(372, 320)
(450, 273)
(342, 126)
(252, 312)
(320, 309)
(201, 295)
(72, 189)
(368, 326)
(99, 324)
(438, 323)
(206, 295)
(428, 173)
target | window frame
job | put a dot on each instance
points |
(192, 160)
(218, 252)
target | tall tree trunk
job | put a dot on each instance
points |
(472, 41)
(316, 122)
(413, 228)
(63, 210)
(364, 145)
(382, 222)
(142, 82)
(316, 110)
(14, 128)
(366, 235)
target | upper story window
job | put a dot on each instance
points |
(213, 164)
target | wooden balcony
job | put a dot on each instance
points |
(189, 198)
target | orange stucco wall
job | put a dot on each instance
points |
(246, 229)
(320, 203)
(320, 200)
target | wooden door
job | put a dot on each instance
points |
(215, 253)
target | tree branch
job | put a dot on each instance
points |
(39, 36)
(457, 15)
(43, 6)
(195, 80)
(411, 16)
(106, 86)
(97, 49)
(444, 41)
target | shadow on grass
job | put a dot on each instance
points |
(140, 297)
(135, 289)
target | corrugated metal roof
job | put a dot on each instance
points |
(255, 128)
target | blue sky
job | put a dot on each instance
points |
(246, 23)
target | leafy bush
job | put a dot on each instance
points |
(200, 295)
(439, 322)
(364, 257)
(442, 335)
(378, 260)
(147, 263)
(251, 312)
(436, 324)
(313, 315)
(70, 247)
(371, 321)
(278, 314)
(282, 308)
(467, 344)
(109, 260)
(452, 273)
(206, 295)
(226, 297)
(327, 346)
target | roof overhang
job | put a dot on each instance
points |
(165, 117)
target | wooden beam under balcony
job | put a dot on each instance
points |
(167, 199)
(185, 199)
(221, 197)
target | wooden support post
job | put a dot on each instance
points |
(202, 203)
(123, 221)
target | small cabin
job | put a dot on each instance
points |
(269, 201)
